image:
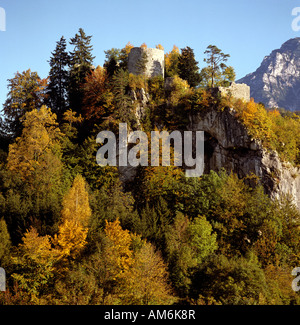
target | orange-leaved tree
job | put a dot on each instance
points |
(98, 98)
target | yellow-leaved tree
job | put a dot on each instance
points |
(119, 258)
(129, 270)
(37, 260)
(34, 263)
(171, 62)
(147, 282)
(38, 146)
(76, 215)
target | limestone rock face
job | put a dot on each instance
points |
(140, 99)
(228, 145)
(276, 83)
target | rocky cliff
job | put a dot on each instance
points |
(228, 145)
(276, 83)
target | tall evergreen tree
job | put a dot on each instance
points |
(188, 67)
(59, 79)
(81, 63)
(123, 103)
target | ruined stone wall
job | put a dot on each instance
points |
(241, 91)
(155, 61)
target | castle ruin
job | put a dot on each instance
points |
(239, 91)
(154, 61)
(151, 62)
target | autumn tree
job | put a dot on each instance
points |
(216, 62)
(75, 218)
(123, 63)
(159, 47)
(188, 67)
(5, 244)
(98, 98)
(35, 170)
(178, 89)
(172, 61)
(112, 260)
(38, 144)
(57, 89)
(34, 263)
(147, 279)
(258, 122)
(128, 269)
(121, 254)
(26, 93)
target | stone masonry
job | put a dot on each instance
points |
(155, 61)
(241, 91)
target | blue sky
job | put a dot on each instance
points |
(247, 30)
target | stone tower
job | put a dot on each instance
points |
(154, 65)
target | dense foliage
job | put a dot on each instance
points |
(72, 233)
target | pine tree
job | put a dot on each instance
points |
(188, 67)
(215, 60)
(123, 102)
(59, 79)
(81, 62)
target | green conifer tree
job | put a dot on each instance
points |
(188, 67)
(81, 63)
(59, 79)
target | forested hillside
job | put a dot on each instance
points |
(72, 233)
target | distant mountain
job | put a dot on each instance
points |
(276, 83)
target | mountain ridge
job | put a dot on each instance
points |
(276, 82)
